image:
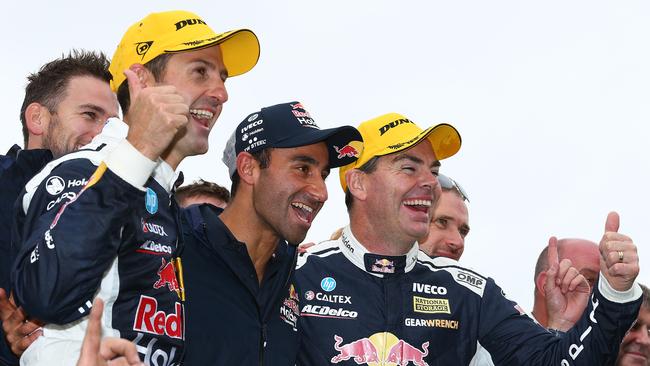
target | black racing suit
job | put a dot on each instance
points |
(100, 222)
(360, 308)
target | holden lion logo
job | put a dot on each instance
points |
(379, 349)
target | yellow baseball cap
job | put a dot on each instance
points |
(178, 31)
(393, 132)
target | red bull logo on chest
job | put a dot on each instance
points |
(380, 349)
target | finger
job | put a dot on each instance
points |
(552, 255)
(613, 222)
(564, 267)
(579, 283)
(27, 328)
(551, 276)
(26, 342)
(112, 348)
(15, 320)
(135, 85)
(90, 345)
(571, 273)
(6, 307)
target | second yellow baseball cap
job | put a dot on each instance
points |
(392, 132)
(178, 31)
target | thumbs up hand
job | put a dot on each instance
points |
(619, 261)
(156, 114)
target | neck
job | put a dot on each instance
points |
(376, 241)
(246, 226)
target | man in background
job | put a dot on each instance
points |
(66, 104)
(635, 348)
(202, 192)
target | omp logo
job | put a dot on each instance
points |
(470, 279)
(183, 23)
(392, 124)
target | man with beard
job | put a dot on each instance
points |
(66, 104)
(372, 296)
(238, 261)
(102, 221)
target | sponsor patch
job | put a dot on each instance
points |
(54, 185)
(430, 306)
(328, 284)
(151, 201)
(327, 312)
(432, 323)
(149, 319)
(470, 279)
(429, 289)
(289, 311)
(70, 196)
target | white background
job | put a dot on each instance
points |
(551, 99)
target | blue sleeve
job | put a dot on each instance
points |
(512, 338)
(68, 239)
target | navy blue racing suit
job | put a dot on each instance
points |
(360, 308)
(100, 222)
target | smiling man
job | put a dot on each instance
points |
(238, 262)
(102, 221)
(372, 297)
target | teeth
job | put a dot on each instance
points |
(302, 206)
(425, 203)
(202, 113)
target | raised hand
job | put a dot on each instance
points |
(19, 332)
(619, 261)
(566, 290)
(155, 115)
(96, 351)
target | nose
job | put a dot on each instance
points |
(643, 335)
(218, 91)
(455, 241)
(317, 189)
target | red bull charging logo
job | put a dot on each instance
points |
(347, 151)
(167, 276)
(380, 349)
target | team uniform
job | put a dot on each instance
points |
(16, 169)
(232, 319)
(100, 222)
(360, 308)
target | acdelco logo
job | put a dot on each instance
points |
(149, 320)
(186, 22)
(327, 312)
(392, 124)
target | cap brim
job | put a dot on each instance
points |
(444, 139)
(240, 50)
(338, 141)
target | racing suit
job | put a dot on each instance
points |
(360, 308)
(16, 169)
(100, 222)
(232, 319)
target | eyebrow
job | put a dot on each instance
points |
(415, 159)
(309, 160)
(223, 73)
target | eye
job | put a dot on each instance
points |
(463, 231)
(441, 222)
(90, 115)
(325, 173)
(408, 168)
(201, 70)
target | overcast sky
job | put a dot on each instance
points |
(550, 97)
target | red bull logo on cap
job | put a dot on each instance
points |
(380, 349)
(347, 151)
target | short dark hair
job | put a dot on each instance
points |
(263, 157)
(646, 296)
(202, 188)
(369, 167)
(48, 85)
(157, 66)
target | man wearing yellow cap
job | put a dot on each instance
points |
(371, 297)
(102, 222)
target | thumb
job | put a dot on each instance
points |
(613, 222)
(135, 86)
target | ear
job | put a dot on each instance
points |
(357, 182)
(540, 281)
(145, 77)
(247, 168)
(37, 118)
